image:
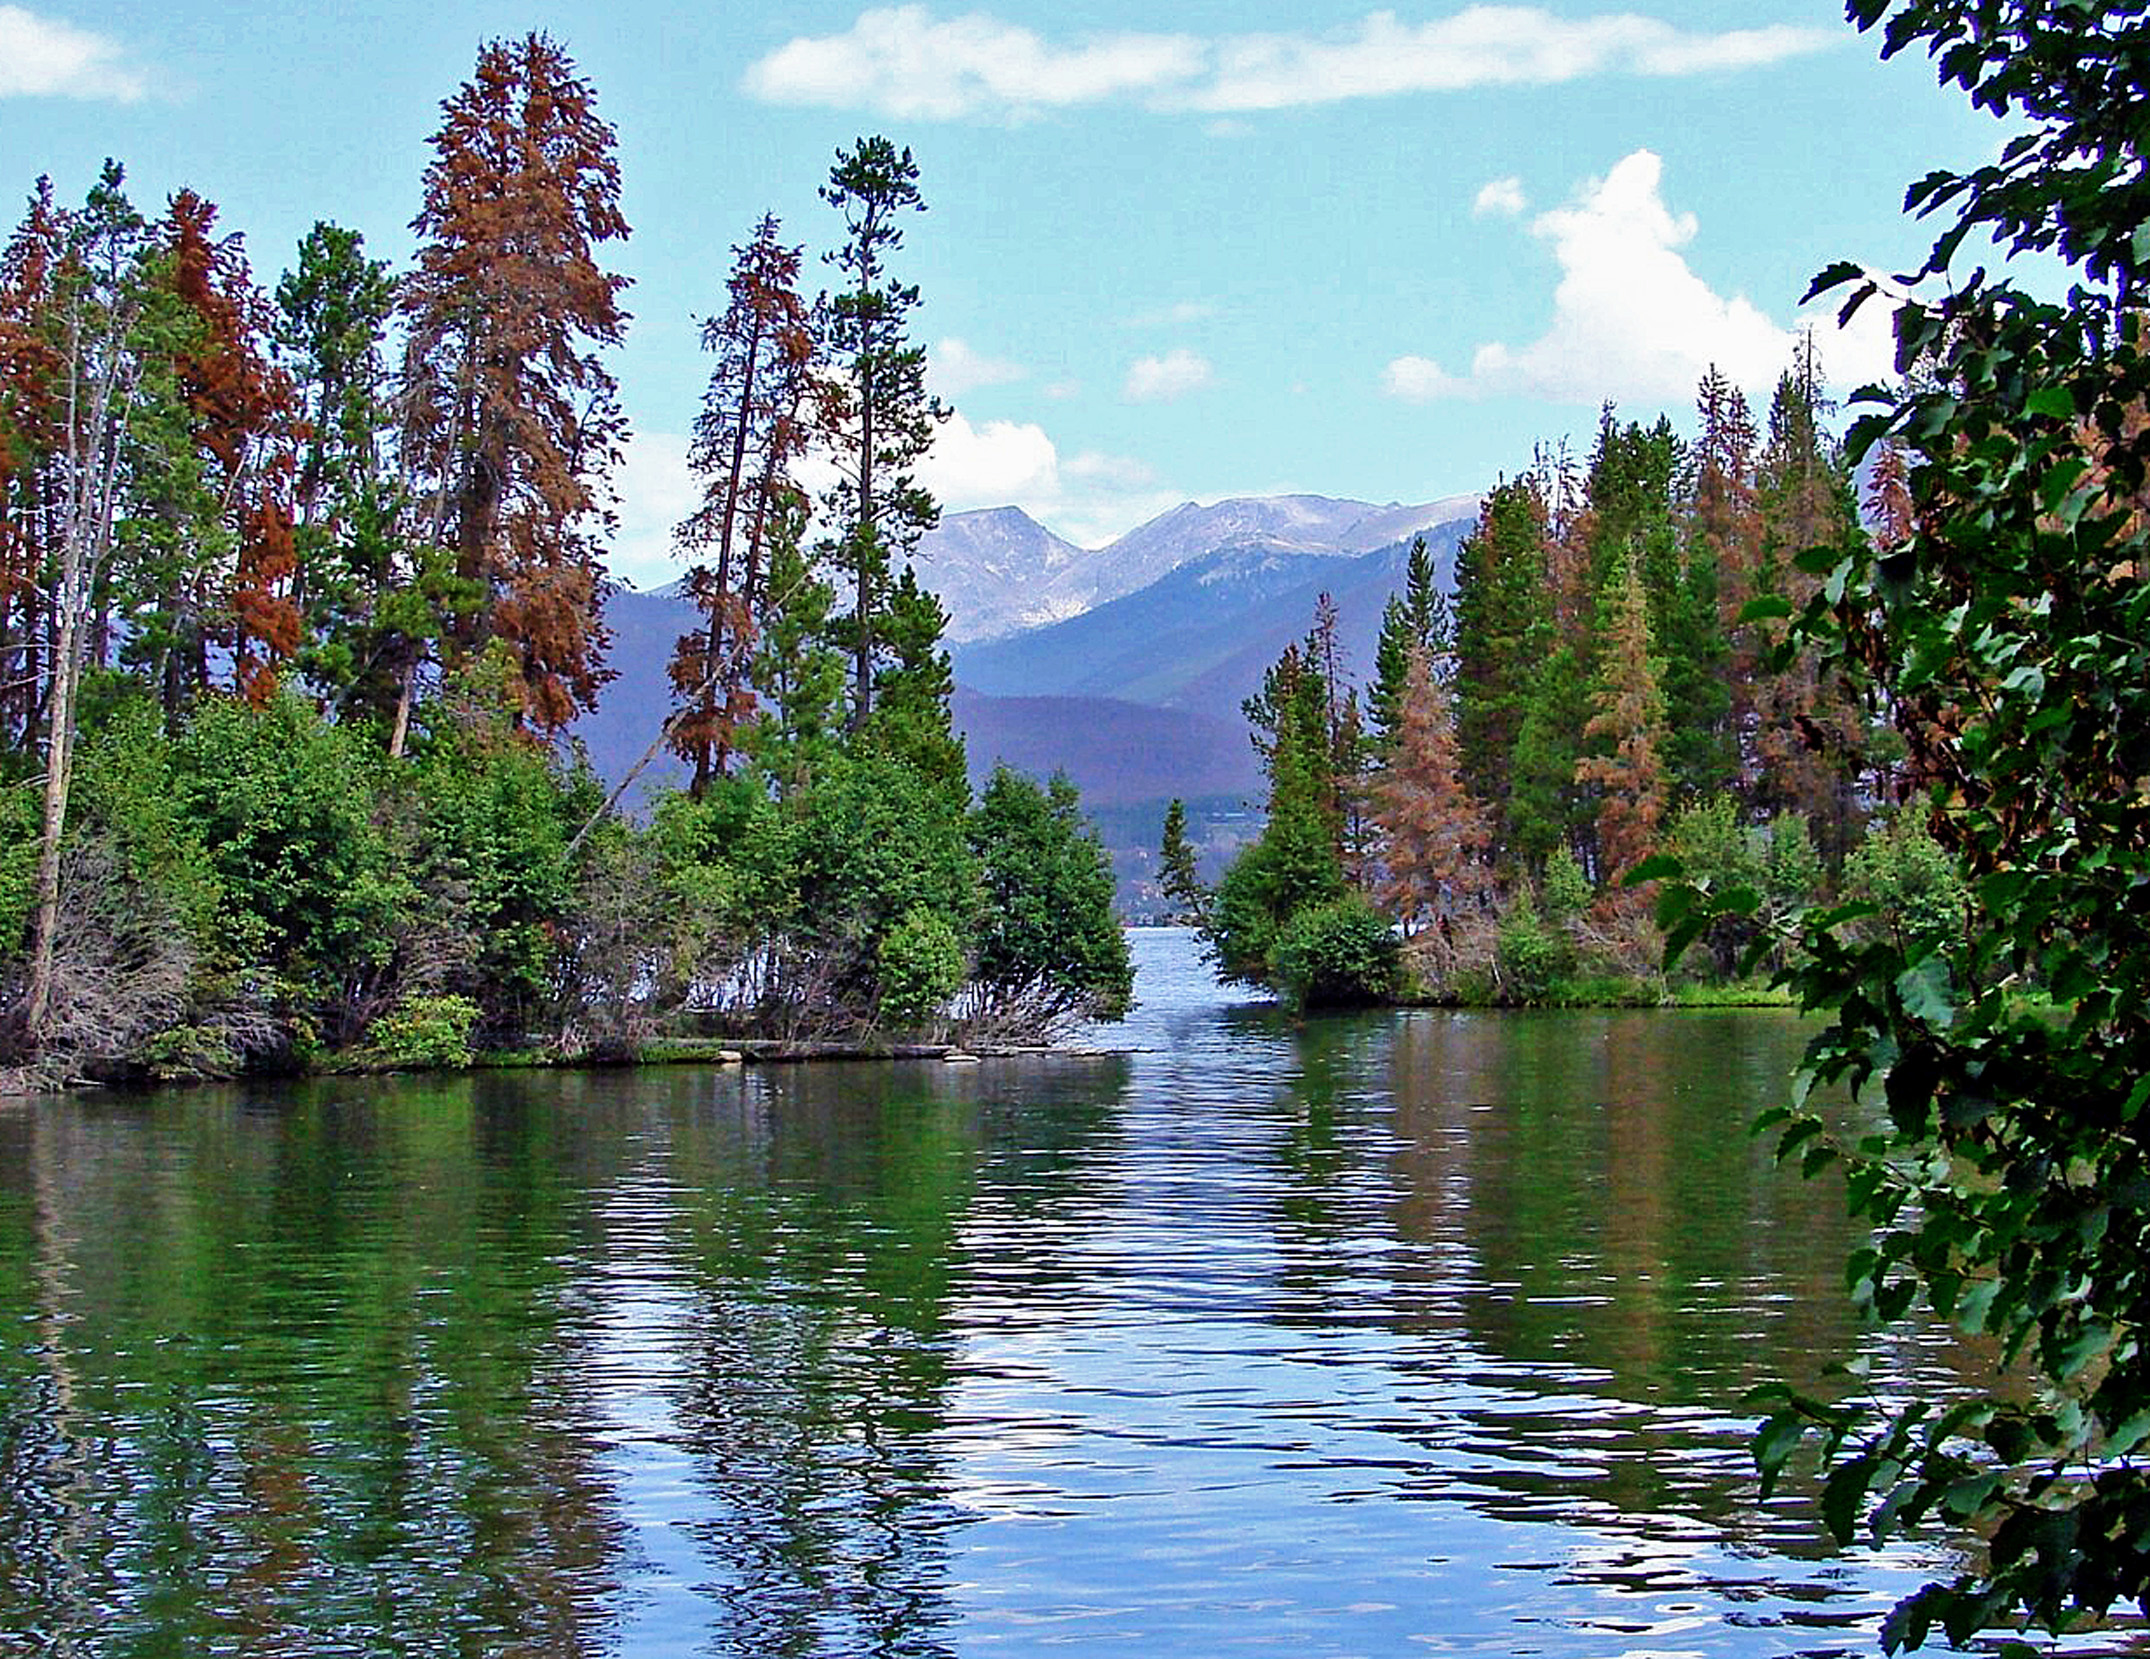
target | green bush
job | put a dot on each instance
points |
(1341, 954)
(284, 805)
(921, 964)
(425, 1031)
(1047, 931)
(1567, 889)
(1290, 868)
(1531, 958)
(1912, 877)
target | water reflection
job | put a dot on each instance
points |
(1420, 1330)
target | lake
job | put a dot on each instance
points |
(1415, 1332)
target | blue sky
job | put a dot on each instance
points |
(1228, 249)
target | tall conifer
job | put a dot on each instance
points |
(880, 415)
(748, 435)
(511, 421)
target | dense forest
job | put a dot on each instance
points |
(1609, 680)
(300, 589)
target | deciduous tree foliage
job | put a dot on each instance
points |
(2003, 619)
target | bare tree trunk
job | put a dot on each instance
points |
(92, 485)
(402, 731)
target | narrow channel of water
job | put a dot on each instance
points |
(1408, 1333)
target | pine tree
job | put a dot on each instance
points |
(1544, 809)
(33, 413)
(1416, 619)
(746, 439)
(240, 412)
(1433, 837)
(879, 414)
(1504, 629)
(1721, 522)
(911, 718)
(1297, 861)
(92, 308)
(1810, 739)
(1177, 876)
(797, 671)
(355, 571)
(511, 421)
(1627, 728)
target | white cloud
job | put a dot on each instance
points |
(1121, 472)
(1500, 197)
(656, 490)
(1479, 46)
(41, 57)
(904, 61)
(954, 368)
(1632, 321)
(1418, 380)
(1160, 379)
(990, 465)
(1089, 498)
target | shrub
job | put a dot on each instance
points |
(1567, 889)
(1341, 954)
(921, 964)
(1049, 945)
(1531, 959)
(425, 1031)
(1912, 877)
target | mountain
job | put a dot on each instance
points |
(1117, 752)
(1200, 637)
(996, 572)
(1135, 697)
(1286, 523)
(999, 572)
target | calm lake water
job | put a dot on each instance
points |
(1409, 1333)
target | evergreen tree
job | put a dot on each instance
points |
(32, 414)
(1545, 809)
(354, 566)
(1049, 949)
(912, 686)
(511, 421)
(1433, 837)
(1504, 629)
(1297, 861)
(1416, 619)
(204, 553)
(1625, 768)
(797, 671)
(89, 307)
(1177, 877)
(1810, 738)
(880, 416)
(746, 438)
